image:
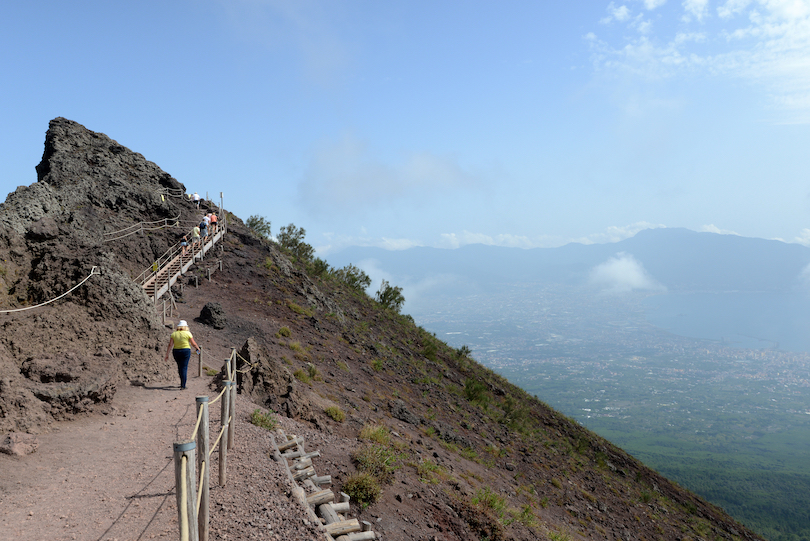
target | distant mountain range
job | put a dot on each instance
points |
(673, 258)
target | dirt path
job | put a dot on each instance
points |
(111, 477)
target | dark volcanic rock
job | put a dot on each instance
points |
(270, 383)
(213, 314)
(64, 358)
(400, 411)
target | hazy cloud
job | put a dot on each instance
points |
(346, 174)
(803, 238)
(453, 240)
(652, 4)
(616, 233)
(622, 273)
(303, 27)
(620, 14)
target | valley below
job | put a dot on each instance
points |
(730, 423)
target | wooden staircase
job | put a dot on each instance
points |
(173, 264)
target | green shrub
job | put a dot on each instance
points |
(335, 413)
(475, 391)
(488, 499)
(377, 460)
(376, 433)
(291, 238)
(263, 420)
(390, 297)
(377, 364)
(430, 351)
(308, 312)
(353, 277)
(302, 376)
(284, 332)
(318, 267)
(259, 225)
(429, 472)
(362, 488)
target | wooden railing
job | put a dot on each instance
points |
(191, 464)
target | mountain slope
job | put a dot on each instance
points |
(460, 452)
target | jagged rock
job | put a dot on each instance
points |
(269, 382)
(72, 383)
(52, 234)
(446, 433)
(213, 314)
(400, 411)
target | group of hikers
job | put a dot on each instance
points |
(200, 232)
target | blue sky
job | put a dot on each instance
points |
(399, 124)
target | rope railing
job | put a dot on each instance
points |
(92, 272)
(142, 227)
(193, 505)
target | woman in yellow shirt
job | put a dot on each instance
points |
(180, 345)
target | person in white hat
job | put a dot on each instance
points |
(180, 345)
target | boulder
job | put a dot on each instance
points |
(212, 314)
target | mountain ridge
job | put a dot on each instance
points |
(680, 259)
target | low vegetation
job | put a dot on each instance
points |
(263, 420)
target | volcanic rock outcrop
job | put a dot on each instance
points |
(55, 363)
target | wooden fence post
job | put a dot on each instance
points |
(203, 444)
(223, 442)
(185, 481)
(199, 367)
(232, 425)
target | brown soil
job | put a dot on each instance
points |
(111, 477)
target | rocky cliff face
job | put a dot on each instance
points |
(65, 358)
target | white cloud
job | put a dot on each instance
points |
(652, 4)
(622, 273)
(732, 8)
(695, 8)
(764, 42)
(711, 228)
(620, 14)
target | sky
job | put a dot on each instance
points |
(425, 123)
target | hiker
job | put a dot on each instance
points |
(195, 236)
(180, 345)
(213, 223)
(203, 229)
(196, 199)
(184, 245)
